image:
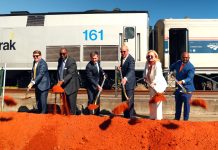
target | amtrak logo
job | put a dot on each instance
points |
(7, 45)
(213, 46)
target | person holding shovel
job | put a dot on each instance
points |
(153, 76)
(41, 81)
(68, 78)
(184, 75)
(94, 75)
(127, 70)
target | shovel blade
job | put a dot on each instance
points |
(92, 106)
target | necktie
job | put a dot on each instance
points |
(181, 67)
(34, 71)
(96, 65)
(62, 70)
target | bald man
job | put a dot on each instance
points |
(68, 78)
(185, 72)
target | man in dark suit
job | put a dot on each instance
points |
(94, 74)
(185, 72)
(68, 78)
(41, 80)
(127, 67)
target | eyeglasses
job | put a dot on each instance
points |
(35, 56)
(122, 51)
(150, 57)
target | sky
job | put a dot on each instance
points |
(157, 9)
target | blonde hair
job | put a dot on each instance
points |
(155, 54)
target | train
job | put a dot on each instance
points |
(22, 32)
(197, 36)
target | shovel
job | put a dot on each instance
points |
(124, 89)
(182, 87)
(27, 94)
(120, 108)
(194, 102)
(94, 105)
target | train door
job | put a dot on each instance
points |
(178, 43)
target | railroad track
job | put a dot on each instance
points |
(109, 92)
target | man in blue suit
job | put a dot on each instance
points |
(127, 67)
(41, 80)
(185, 72)
(94, 74)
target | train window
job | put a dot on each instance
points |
(52, 52)
(106, 53)
(37, 20)
(129, 32)
(109, 53)
(87, 50)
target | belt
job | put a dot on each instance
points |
(185, 92)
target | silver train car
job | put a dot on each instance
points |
(197, 36)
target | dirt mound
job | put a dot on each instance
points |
(35, 131)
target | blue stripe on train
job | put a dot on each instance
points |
(198, 46)
(203, 46)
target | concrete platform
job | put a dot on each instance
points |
(109, 101)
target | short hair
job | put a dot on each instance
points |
(37, 52)
(93, 53)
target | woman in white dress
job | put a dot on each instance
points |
(153, 75)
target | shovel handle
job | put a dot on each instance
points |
(99, 92)
(26, 94)
(182, 87)
(124, 89)
(150, 86)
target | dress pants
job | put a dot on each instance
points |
(155, 109)
(71, 100)
(180, 99)
(41, 100)
(130, 112)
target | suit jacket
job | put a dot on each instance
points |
(93, 76)
(70, 76)
(128, 71)
(187, 74)
(42, 80)
(156, 76)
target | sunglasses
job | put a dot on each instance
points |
(62, 53)
(123, 51)
(35, 56)
(150, 57)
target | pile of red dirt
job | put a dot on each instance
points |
(38, 131)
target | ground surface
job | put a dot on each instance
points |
(25, 131)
